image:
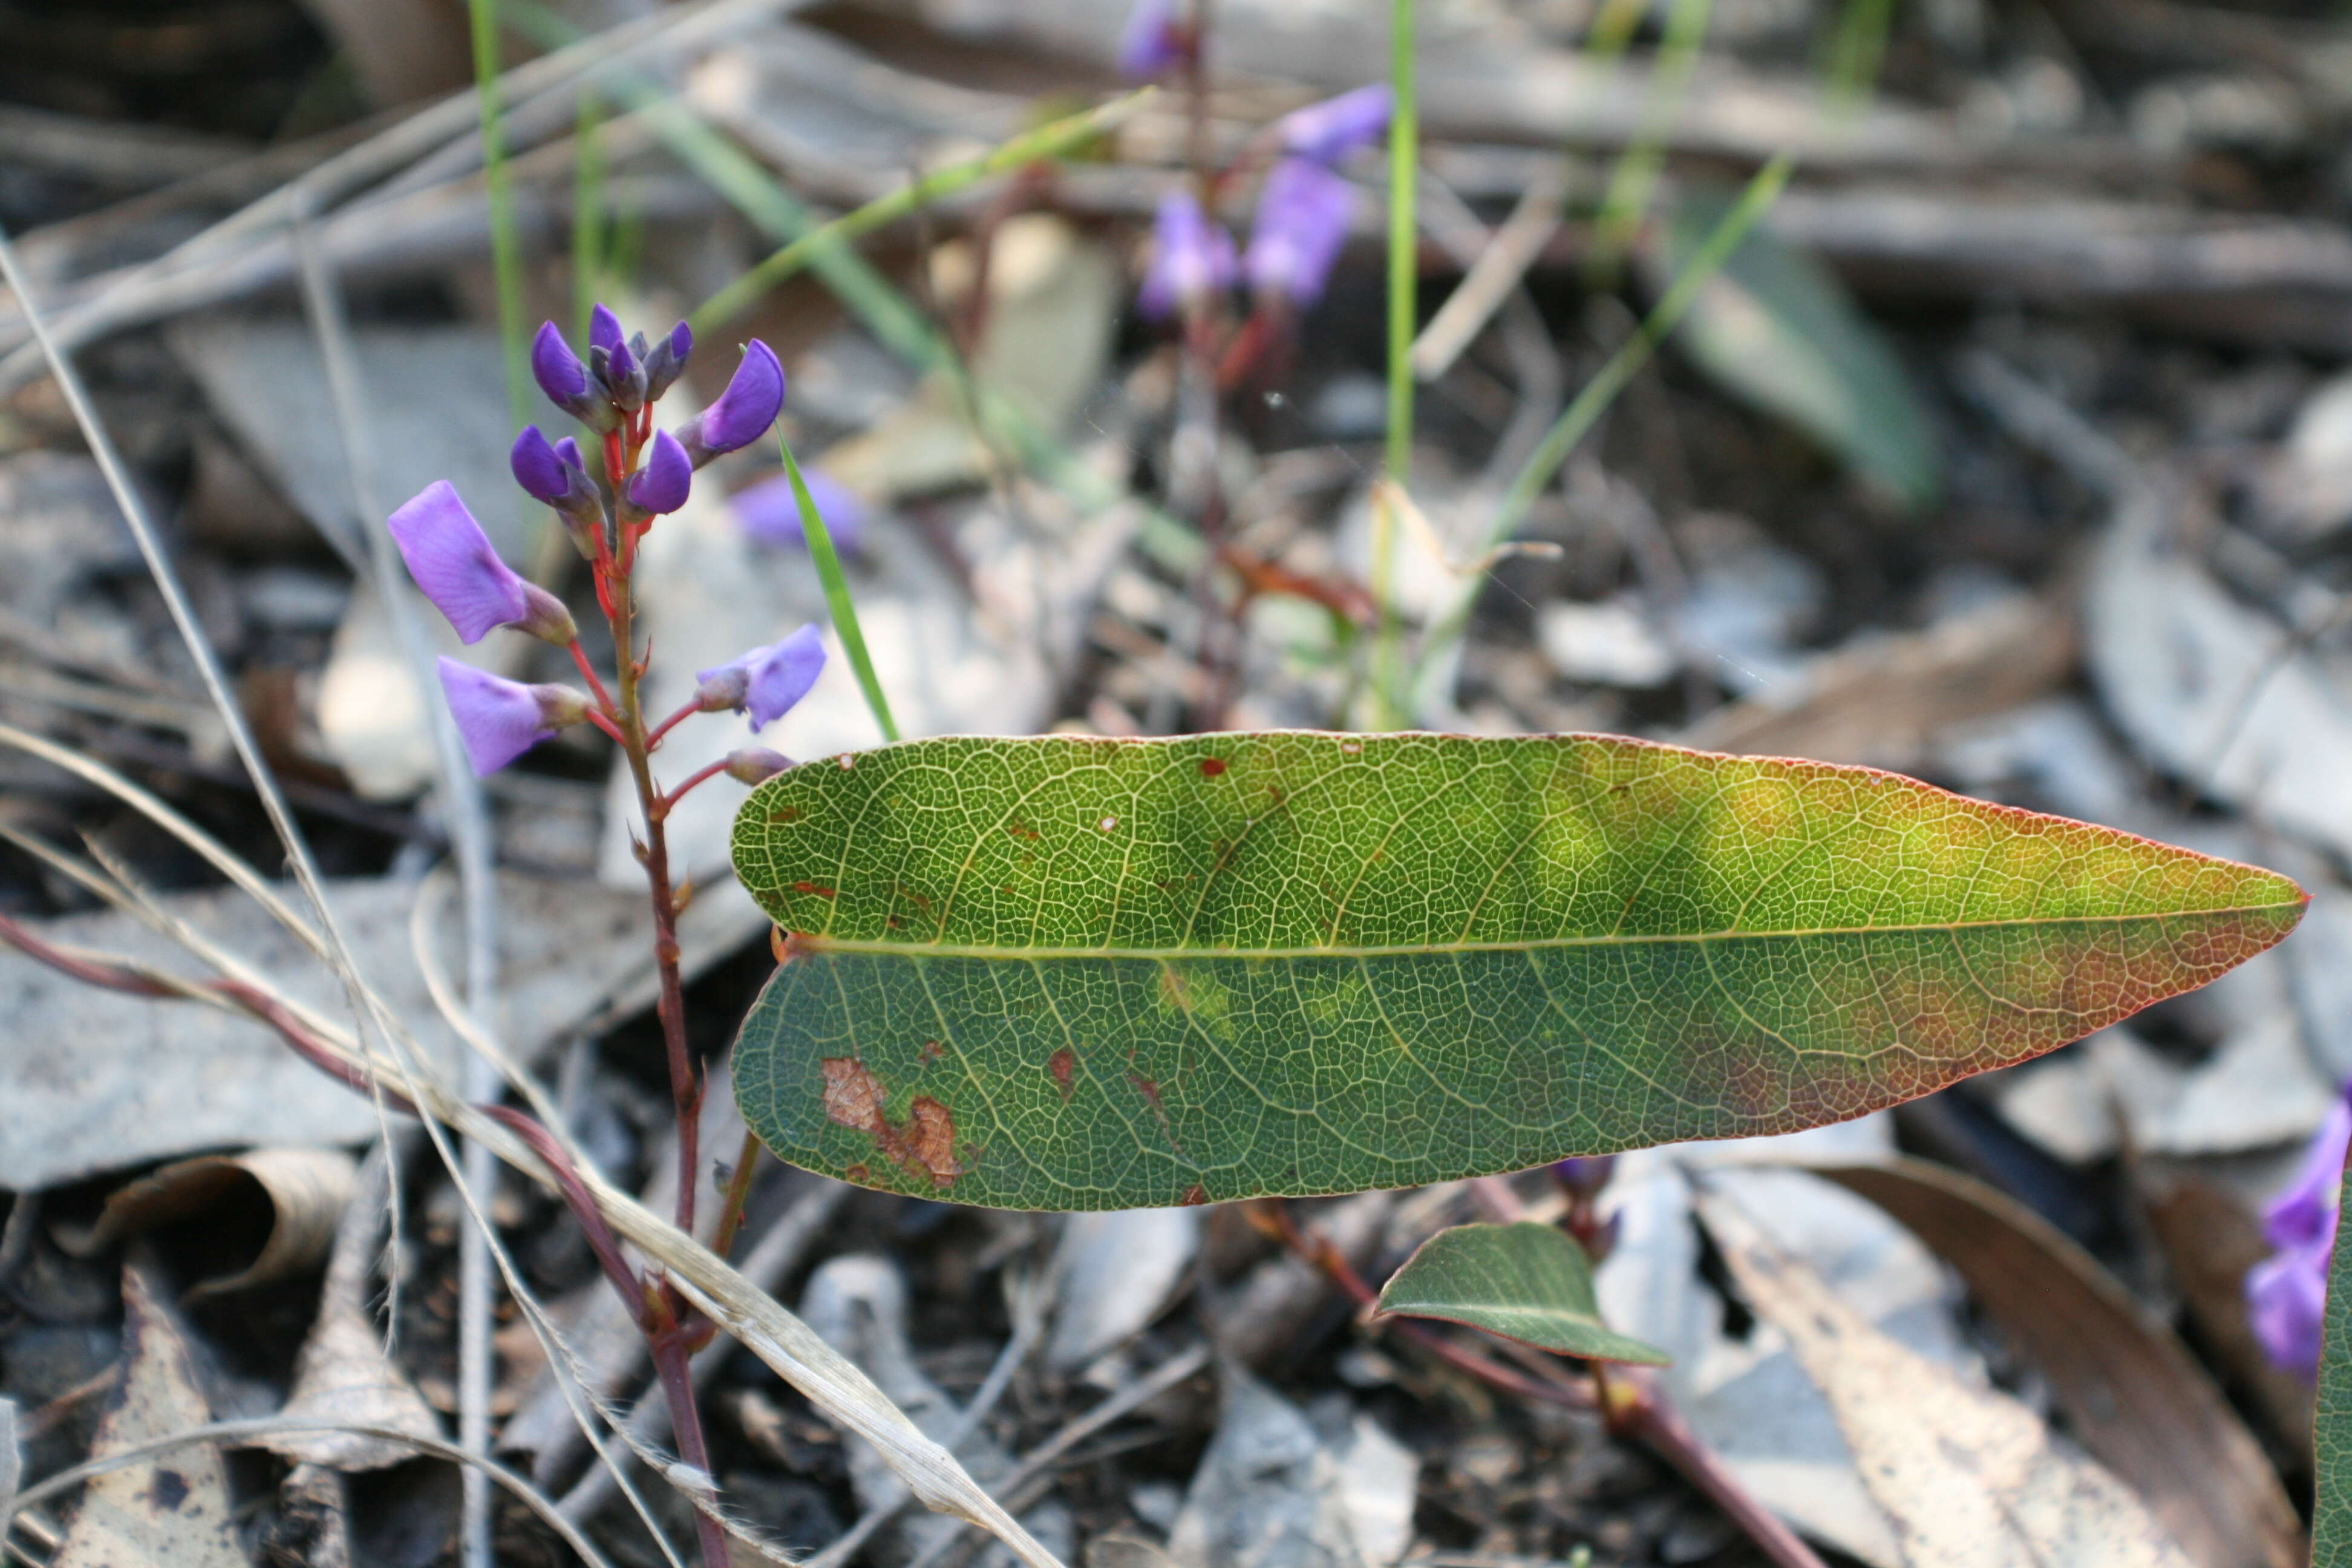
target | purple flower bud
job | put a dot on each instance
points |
(1153, 43)
(624, 377)
(666, 360)
(771, 513)
(1192, 258)
(662, 485)
(568, 450)
(754, 396)
(499, 719)
(1302, 222)
(539, 468)
(756, 764)
(2286, 1305)
(768, 680)
(559, 371)
(452, 561)
(1330, 130)
(1585, 1175)
(604, 330)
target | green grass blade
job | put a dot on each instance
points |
(1065, 973)
(506, 239)
(1054, 140)
(1578, 419)
(1525, 1281)
(588, 255)
(1404, 294)
(1636, 176)
(836, 595)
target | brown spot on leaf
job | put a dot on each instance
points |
(923, 1146)
(1193, 1195)
(932, 1050)
(817, 889)
(1020, 829)
(1062, 1064)
(1173, 986)
(169, 1490)
(1212, 766)
(785, 814)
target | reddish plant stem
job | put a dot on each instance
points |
(669, 801)
(1627, 1396)
(692, 707)
(595, 682)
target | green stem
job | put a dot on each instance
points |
(836, 595)
(587, 212)
(1855, 53)
(1404, 279)
(1047, 141)
(505, 240)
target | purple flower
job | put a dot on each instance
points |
(452, 561)
(539, 468)
(559, 371)
(1153, 43)
(1192, 258)
(771, 513)
(663, 483)
(1585, 1175)
(1302, 222)
(754, 396)
(2286, 1304)
(1330, 130)
(604, 330)
(768, 680)
(2286, 1293)
(568, 450)
(499, 719)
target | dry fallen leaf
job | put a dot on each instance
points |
(2131, 1391)
(173, 1511)
(305, 1190)
(1968, 1476)
(342, 1373)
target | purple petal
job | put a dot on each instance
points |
(557, 369)
(681, 342)
(604, 330)
(2287, 1303)
(662, 485)
(771, 513)
(498, 718)
(539, 466)
(568, 450)
(1151, 46)
(2305, 1210)
(1192, 258)
(1302, 223)
(754, 396)
(1330, 130)
(452, 561)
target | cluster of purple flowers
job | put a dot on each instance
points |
(640, 474)
(1303, 210)
(2286, 1293)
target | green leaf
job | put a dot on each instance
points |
(1065, 973)
(2331, 1508)
(1777, 328)
(1526, 1281)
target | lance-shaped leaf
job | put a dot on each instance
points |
(1525, 1281)
(1074, 974)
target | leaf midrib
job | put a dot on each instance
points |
(823, 943)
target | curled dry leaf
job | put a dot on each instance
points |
(173, 1511)
(1119, 1270)
(2132, 1393)
(306, 1192)
(342, 1373)
(1968, 1476)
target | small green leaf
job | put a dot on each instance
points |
(2331, 1506)
(1526, 1281)
(1067, 973)
(1777, 327)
